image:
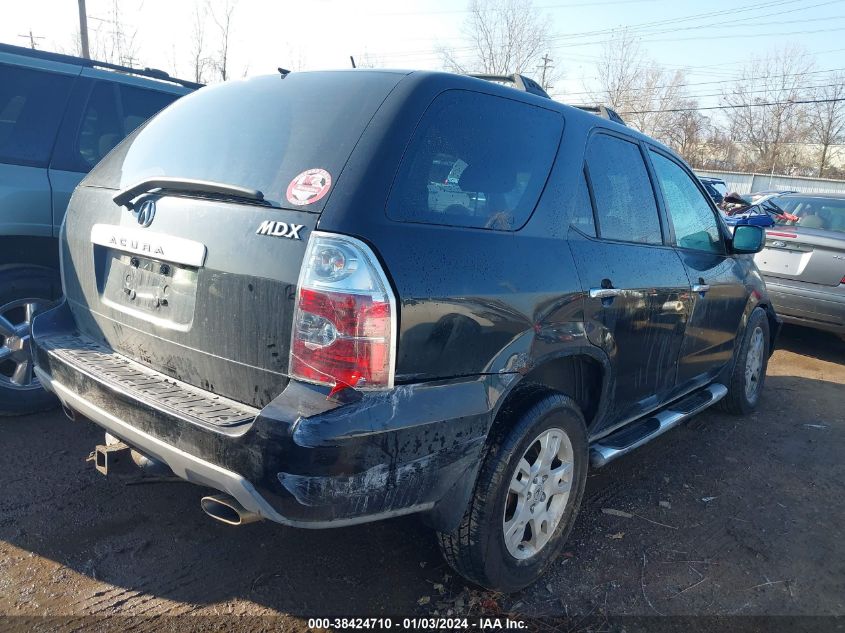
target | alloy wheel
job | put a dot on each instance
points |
(16, 362)
(754, 363)
(538, 493)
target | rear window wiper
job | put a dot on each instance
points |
(189, 186)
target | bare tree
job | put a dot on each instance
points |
(504, 37)
(296, 59)
(647, 95)
(366, 60)
(827, 119)
(199, 58)
(619, 72)
(764, 115)
(689, 135)
(223, 20)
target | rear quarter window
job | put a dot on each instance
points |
(476, 160)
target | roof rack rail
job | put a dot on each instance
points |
(520, 82)
(604, 112)
(152, 73)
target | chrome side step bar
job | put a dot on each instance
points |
(644, 430)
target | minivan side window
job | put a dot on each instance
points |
(101, 127)
(476, 160)
(139, 105)
(694, 222)
(111, 111)
(625, 206)
(31, 106)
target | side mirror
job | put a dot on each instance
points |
(748, 240)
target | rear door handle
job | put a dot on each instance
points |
(701, 288)
(605, 293)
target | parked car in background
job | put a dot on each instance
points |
(765, 212)
(265, 296)
(715, 187)
(803, 261)
(761, 196)
(59, 115)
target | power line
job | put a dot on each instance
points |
(645, 25)
(643, 28)
(741, 105)
(569, 5)
(721, 81)
(714, 37)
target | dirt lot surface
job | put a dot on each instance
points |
(721, 516)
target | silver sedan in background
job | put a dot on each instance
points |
(803, 261)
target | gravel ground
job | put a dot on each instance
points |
(722, 516)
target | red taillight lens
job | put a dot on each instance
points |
(344, 322)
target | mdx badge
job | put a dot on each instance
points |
(280, 229)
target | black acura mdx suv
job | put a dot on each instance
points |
(337, 297)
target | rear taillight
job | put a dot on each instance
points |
(344, 323)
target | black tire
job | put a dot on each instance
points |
(742, 401)
(19, 283)
(477, 548)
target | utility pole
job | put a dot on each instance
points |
(544, 68)
(31, 39)
(83, 30)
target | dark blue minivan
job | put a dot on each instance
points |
(59, 115)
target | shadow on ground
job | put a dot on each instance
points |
(745, 527)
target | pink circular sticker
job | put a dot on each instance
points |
(309, 186)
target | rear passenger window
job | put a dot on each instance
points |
(105, 116)
(476, 160)
(31, 106)
(101, 127)
(694, 221)
(625, 205)
(139, 105)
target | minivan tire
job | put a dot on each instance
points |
(18, 283)
(477, 548)
(741, 399)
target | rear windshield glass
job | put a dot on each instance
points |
(259, 133)
(476, 160)
(813, 213)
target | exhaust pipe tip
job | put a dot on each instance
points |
(226, 509)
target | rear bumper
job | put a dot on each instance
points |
(808, 304)
(303, 460)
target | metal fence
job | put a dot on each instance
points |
(747, 183)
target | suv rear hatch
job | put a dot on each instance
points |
(192, 271)
(811, 249)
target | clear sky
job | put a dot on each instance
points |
(710, 40)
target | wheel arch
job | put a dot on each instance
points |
(583, 374)
(587, 368)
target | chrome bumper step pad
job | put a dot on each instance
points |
(147, 385)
